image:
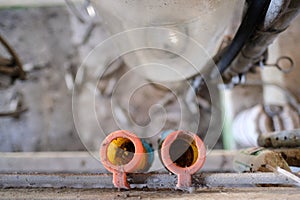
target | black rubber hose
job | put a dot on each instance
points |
(254, 15)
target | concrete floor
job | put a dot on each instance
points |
(216, 193)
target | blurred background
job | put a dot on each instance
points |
(52, 39)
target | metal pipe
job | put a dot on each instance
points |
(182, 153)
(254, 15)
(123, 152)
(265, 34)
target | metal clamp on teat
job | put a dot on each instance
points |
(123, 152)
(182, 153)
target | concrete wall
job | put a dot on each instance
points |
(42, 40)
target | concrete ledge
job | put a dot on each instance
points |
(83, 162)
(138, 180)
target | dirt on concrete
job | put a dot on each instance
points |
(110, 194)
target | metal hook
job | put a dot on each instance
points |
(272, 110)
(279, 66)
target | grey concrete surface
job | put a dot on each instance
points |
(41, 38)
(109, 194)
(83, 162)
(150, 180)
